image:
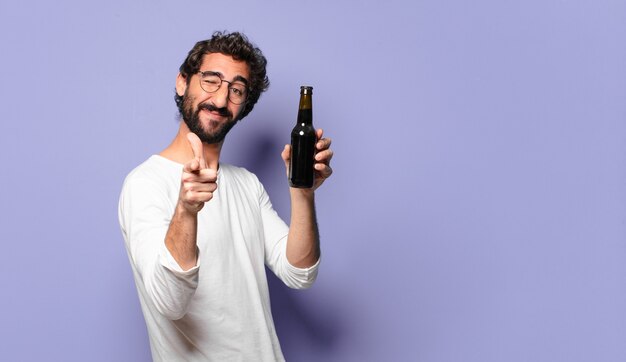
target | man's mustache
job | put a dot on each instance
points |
(224, 112)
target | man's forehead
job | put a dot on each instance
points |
(225, 65)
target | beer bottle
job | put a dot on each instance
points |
(303, 139)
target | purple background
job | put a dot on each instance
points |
(478, 206)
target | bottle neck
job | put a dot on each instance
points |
(306, 101)
(305, 110)
(305, 116)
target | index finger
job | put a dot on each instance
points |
(196, 147)
(319, 133)
(322, 143)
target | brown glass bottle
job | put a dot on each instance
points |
(303, 139)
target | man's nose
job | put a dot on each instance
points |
(220, 97)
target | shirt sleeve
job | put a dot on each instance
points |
(275, 234)
(145, 214)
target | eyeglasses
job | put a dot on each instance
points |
(210, 82)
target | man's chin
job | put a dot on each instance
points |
(210, 131)
(211, 138)
(217, 136)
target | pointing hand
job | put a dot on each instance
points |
(198, 181)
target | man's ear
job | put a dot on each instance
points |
(181, 85)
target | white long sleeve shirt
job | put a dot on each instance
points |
(219, 310)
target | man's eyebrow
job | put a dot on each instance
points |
(214, 72)
(237, 78)
(241, 79)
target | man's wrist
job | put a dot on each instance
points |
(302, 193)
(183, 210)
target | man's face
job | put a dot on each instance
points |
(212, 115)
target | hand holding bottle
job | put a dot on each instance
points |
(323, 155)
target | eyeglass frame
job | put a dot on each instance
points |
(241, 79)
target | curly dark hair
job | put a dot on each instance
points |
(240, 48)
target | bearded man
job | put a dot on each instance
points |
(199, 232)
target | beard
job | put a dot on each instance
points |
(192, 119)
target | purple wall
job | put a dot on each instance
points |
(478, 207)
